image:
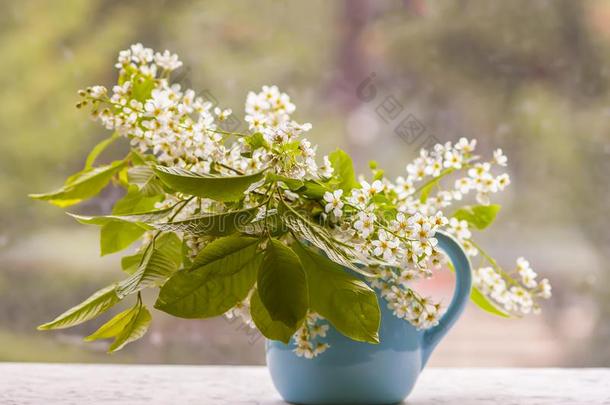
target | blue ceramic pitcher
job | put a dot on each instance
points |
(353, 372)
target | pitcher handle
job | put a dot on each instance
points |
(461, 295)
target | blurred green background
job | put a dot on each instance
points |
(532, 77)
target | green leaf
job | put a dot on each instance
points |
(256, 141)
(282, 285)
(270, 223)
(345, 301)
(478, 216)
(145, 179)
(482, 302)
(82, 185)
(427, 189)
(113, 327)
(292, 184)
(125, 327)
(134, 208)
(116, 236)
(140, 218)
(320, 238)
(133, 331)
(314, 190)
(142, 87)
(159, 262)
(135, 201)
(98, 149)
(221, 276)
(274, 330)
(130, 263)
(343, 170)
(220, 188)
(93, 306)
(222, 224)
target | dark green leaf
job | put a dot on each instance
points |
(274, 330)
(478, 216)
(222, 275)
(344, 300)
(222, 224)
(82, 185)
(220, 188)
(96, 304)
(282, 285)
(343, 170)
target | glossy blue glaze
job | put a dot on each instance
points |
(361, 373)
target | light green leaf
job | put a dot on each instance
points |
(478, 216)
(256, 141)
(282, 284)
(113, 327)
(292, 184)
(343, 170)
(344, 300)
(134, 330)
(96, 304)
(140, 218)
(482, 302)
(143, 86)
(222, 224)
(134, 208)
(125, 327)
(82, 185)
(160, 261)
(314, 190)
(222, 275)
(130, 263)
(220, 188)
(145, 179)
(135, 201)
(116, 236)
(98, 149)
(274, 330)
(427, 189)
(320, 238)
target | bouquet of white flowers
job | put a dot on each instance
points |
(251, 225)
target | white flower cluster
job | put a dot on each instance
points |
(182, 129)
(401, 241)
(241, 311)
(405, 239)
(308, 339)
(395, 287)
(514, 294)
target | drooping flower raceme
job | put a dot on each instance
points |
(228, 219)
